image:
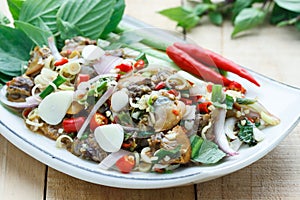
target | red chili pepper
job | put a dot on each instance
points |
(125, 164)
(189, 64)
(160, 86)
(72, 124)
(211, 58)
(203, 107)
(175, 112)
(124, 67)
(98, 120)
(61, 62)
(236, 86)
(82, 78)
(174, 92)
(140, 64)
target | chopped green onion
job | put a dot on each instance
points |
(217, 93)
(196, 143)
(49, 89)
(245, 101)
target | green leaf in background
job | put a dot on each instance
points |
(216, 18)
(201, 8)
(37, 35)
(292, 5)
(41, 13)
(115, 18)
(239, 5)
(184, 17)
(14, 52)
(297, 25)
(248, 18)
(280, 14)
(15, 7)
(88, 16)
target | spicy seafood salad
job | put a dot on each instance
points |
(129, 114)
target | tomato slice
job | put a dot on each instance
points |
(98, 120)
(125, 164)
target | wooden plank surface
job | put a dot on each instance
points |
(271, 51)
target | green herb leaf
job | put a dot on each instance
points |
(239, 5)
(15, 7)
(246, 133)
(229, 101)
(292, 5)
(209, 153)
(216, 18)
(85, 17)
(245, 101)
(41, 14)
(248, 18)
(183, 16)
(196, 143)
(37, 35)
(14, 52)
(162, 153)
(115, 18)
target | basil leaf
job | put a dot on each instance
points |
(216, 18)
(291, 5)
(37, 35)
(209, 153)
(15, 7)
(41, 13)
(239, 5)
(184, 17)
(85, 17)
(248, 18)
(115, 18)
(14, 52)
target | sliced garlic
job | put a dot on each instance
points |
(92, 52)
(109, 137)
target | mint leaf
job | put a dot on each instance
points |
(41, 14)
(184, 17)
(15, 7)
(291, 5)
(37, 35)
(239, 5)
(115, 18)
(14, 52)
(88, 17)
(248, 18)
(209, 153)
(216, 18)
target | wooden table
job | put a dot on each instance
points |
(274, 52)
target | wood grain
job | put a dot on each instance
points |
(21, 176)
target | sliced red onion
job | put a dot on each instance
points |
(30, 101)
(112, 158)
(220, 136)
(99, 103)
(106, 64)
(53, 48)
(190, 112)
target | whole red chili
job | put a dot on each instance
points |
(189, 64)
(211, 58)
(72, 124)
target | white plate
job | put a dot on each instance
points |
(271, 94)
